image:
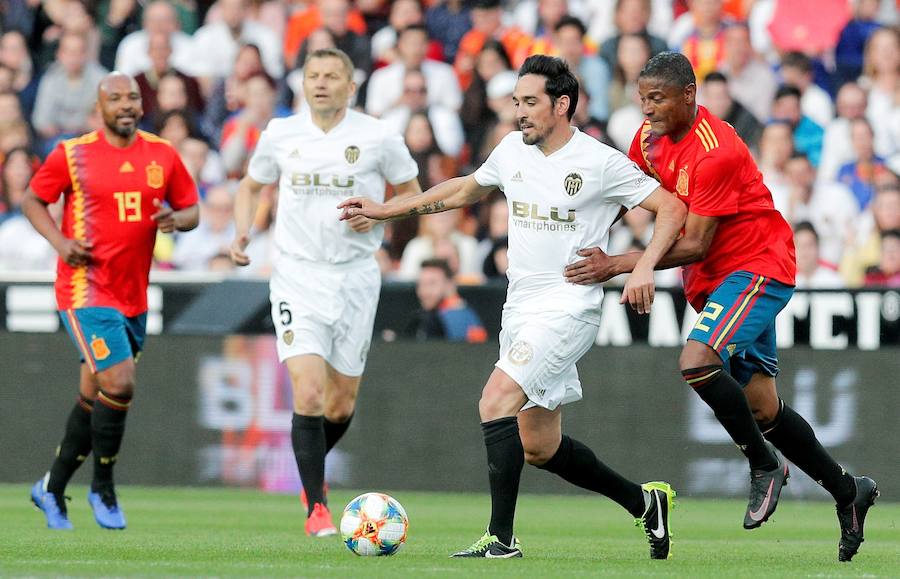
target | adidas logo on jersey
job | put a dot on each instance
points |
(295, 154)
(517, 177)
(126, 168)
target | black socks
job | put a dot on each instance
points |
(505, 458)
(74, 448)
(794, 437)
(578, 464)
(308, 440)
(723, 394)
(107, 430)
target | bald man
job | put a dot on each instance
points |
(121, 185)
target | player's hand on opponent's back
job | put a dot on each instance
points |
(75, 252)
(164, 217)
(596, 267)
(238, 256)
(362, 206)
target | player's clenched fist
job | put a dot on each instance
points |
(362, 206)
(164, 217)
(240, 243)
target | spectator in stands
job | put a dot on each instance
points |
(203, 163)
(634, 52)
(136, 53)
(176, 126)
(499, 95)
(16, 134)
(10, 110)
(15, 173)
(386, 84)
(699, 35)
(750, 79)
(433, 230)
(21, 247)
(715, 95)
(67, 92)
(57, 19)
(837, 147)
(475, 113)
(241, 132)
(447, 22)
(403, 13)
(303, 22)
(448, 130)
(496, 263)
(419, 137)
(881, 73)
(776, 145)
(443, 314)
(812, 272)
(335, 15)
(829, 206)
(160, 53)
(7, 76)
(859, 175)
(631, 17)
(195, 248)
(848, 54)
(487, 24)
(493, 231)
(228, 93)
(887, 273)
(626, 117)
(808, 136)
(172, 94)
(14, 54)
(215, 45)
(549, 13)
(864, 246)
(571, 44)
(797, 70)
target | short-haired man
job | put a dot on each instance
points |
(564, 190)
(325, 279)
(738, 254)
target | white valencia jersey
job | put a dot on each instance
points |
(559, 204)
(318, 170)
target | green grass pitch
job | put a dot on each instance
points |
(212, 532)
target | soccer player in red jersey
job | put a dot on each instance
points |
(121, 186)
(739, 266)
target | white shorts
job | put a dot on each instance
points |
(539, 351)
(325, 309)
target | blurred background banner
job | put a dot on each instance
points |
(216, 411)
(823, 319)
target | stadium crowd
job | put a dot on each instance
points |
(817, 100)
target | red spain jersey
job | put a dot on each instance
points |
(711, 170)
(109, 200)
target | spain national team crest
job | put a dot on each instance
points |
(682, 186)
(99, 348)
(351, 153)
(155, 177)
(288, 337)
(573, 184)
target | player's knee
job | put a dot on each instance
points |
(536, 454)
(697, 355)
(121, 386)
(309, 398)
(765, 411)
(340, 411)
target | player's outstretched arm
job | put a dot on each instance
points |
(245, 203)
(597, 267)
(670, 217)
(74, 252)
(451, 194)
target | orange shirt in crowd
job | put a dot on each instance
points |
(304, 23)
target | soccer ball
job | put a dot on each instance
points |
(374, 524)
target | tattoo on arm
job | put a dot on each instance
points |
(433, 207)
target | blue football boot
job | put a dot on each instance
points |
(53, 506)
(106, 508)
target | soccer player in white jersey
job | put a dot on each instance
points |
(564, 190)
(325, 281)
